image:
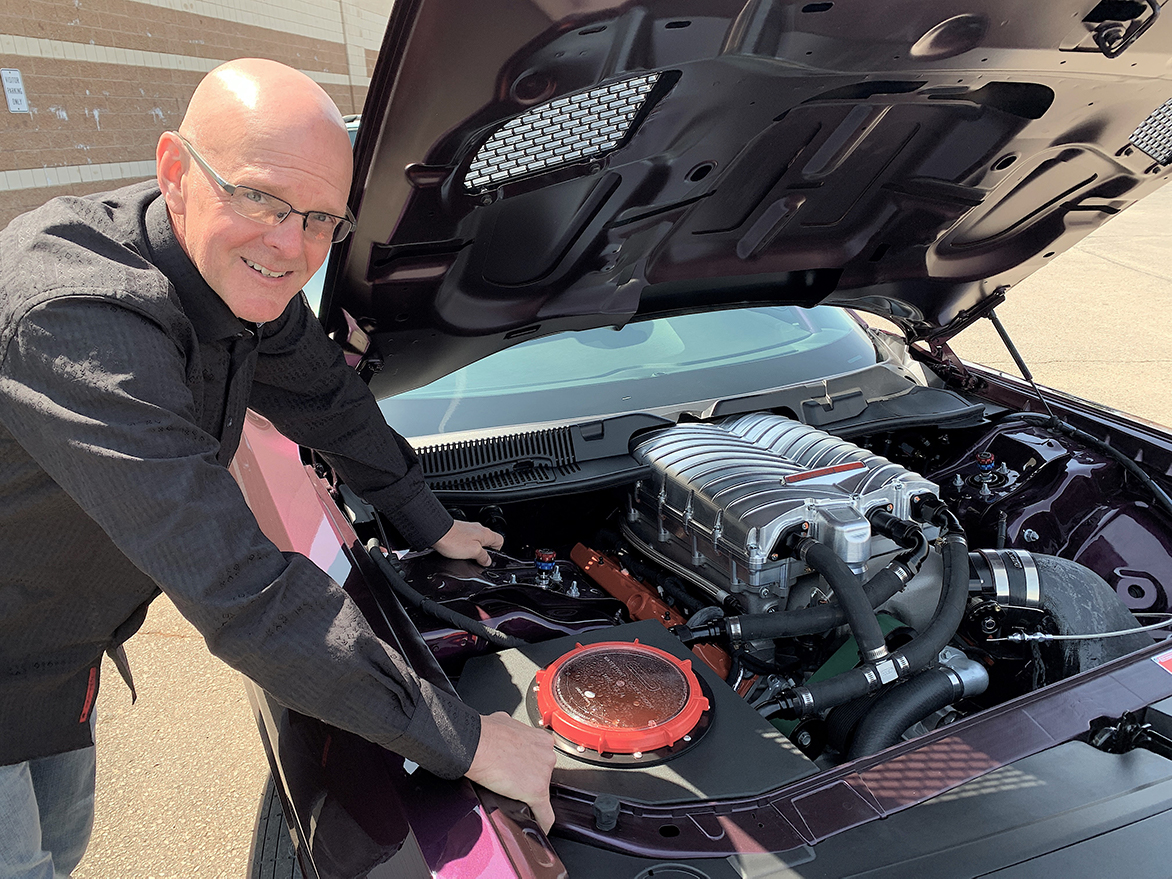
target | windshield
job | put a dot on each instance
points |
(654, 364)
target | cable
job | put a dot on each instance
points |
(1162, 498)
(433, 608)
(1040, 637)
(1053, 421)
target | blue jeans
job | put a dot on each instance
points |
(47, 806)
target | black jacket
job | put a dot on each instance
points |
(124, 381)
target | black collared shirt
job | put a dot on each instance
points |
(124, 381)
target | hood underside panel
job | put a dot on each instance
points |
(526, 168)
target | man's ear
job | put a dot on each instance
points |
(170, 169)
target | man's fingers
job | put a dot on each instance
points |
(469, 540)
(515, 760)
(543, 814)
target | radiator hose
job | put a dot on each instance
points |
(921, 651)
(900, 707)
(824, 617)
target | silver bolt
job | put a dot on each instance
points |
(1030, 535)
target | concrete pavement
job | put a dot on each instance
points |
(180, 773)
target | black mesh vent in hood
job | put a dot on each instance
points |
(1154, 135)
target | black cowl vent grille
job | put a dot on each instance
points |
(500, 462)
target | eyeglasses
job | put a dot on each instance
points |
(270, 210)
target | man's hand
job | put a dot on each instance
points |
(469, 540)
(515, 760)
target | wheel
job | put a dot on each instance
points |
(272, 854)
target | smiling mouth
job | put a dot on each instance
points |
(256, 267)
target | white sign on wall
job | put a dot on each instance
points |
(14, 90)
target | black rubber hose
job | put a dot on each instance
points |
(897, 709)
(917, 653)
(433, 608)
(922, 650)
(901, 664)
(822, 618)
(848, 590)
(672, 586)
(807, 620)
(810, 620)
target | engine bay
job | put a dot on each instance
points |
(822, 600)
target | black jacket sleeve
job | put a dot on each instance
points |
(305, 387)
(96, 393)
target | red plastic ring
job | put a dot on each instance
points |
(620, 697)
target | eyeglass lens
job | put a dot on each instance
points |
(268, 209)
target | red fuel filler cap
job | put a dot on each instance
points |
(622, 702)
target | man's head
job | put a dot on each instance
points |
(262, 125)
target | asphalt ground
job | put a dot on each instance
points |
(180, 773)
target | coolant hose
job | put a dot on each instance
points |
(848, 590)
(900, 707)
(808, 620)
(922, 650)
(820, 618)
(434, 609)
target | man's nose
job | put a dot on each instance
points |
(288, 236)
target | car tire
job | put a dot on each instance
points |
(272, 855)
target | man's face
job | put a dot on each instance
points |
(255, 268)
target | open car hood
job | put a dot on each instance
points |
(531, 166)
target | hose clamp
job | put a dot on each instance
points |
(970, 678)
(1015, 576)
(733, 627)
(872, 678)
(875, 654)
(955, 680)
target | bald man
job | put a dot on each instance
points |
(136, 326)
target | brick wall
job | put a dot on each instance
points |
(103, 78)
